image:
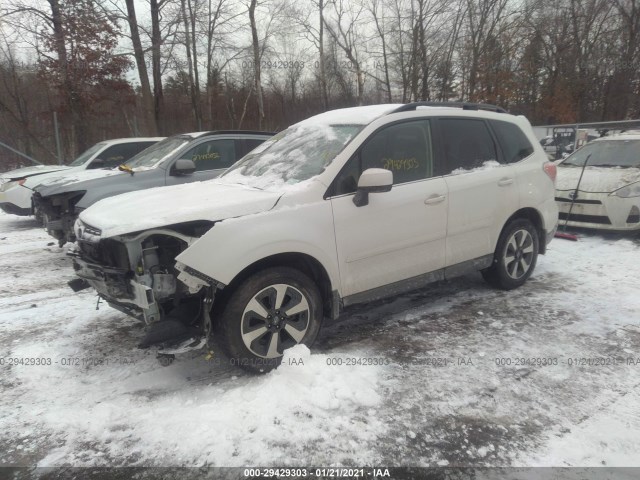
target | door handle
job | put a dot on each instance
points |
(503, 182)
(434, 199)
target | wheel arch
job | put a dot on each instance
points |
(535, 217)
(303, 262)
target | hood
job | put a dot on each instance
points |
(159, 207)
(596, 179)
(77, 180)
(34, 180)
(19, 173)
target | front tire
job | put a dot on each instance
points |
(515, 256)
(272, 310)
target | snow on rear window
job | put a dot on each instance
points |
(488, 165)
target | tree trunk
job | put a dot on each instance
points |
(323, 73)
(156, 68)
(145, 86)
(256, 62)
(70, 98)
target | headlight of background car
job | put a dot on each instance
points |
(632, 190)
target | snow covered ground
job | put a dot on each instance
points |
(547, 375)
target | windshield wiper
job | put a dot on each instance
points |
(125, 168)
(610, 165)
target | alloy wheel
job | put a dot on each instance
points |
(276, 318)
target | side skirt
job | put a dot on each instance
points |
(420, 281)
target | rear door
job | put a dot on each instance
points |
(483, 190)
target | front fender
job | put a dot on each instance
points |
(234, 244)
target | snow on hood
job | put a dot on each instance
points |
(35, 180)
(79, 176)
(596, 179)
(29, 171)
(162, 206)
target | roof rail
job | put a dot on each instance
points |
(228, 132)
(463, 105)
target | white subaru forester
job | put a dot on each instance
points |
(345, 207)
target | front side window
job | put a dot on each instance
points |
(468, 144)
(515, 144)
(153, 156)
(212, 155)
(404, 148)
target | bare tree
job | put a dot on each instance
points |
(345, 30)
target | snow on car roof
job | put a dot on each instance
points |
(350, 116)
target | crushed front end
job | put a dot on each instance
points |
(58, 213)
(135, 274)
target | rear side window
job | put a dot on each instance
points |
(467, 143)
(213, 155)
(251, 143)
(515, 144)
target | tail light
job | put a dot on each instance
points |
(551, 170)
(21, 181)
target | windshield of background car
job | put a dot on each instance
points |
(86, 155)
(296, 154)
(607, 153)
(155, 154)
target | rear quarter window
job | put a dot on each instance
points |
(467, 143)
(514, 143)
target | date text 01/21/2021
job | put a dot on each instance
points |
(372, 472)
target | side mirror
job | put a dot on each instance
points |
(184, 166)
(372, 180)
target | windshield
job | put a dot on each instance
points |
(292, 156)
(152, 156)
(607, 153)
(86, 155)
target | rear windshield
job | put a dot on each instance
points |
(607, 153)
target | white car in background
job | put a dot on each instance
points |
(608, 197)
(16, 187)
(13, 178)
(343, 208)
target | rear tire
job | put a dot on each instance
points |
(515, 257)
(270, 311)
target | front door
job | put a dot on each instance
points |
(400, 234)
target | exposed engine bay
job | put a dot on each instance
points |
(136, 275)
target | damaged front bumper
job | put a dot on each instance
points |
(118, 287)
(59, 214)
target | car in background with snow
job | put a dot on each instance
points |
(608, 197)
(343, 208)
(184, 158)
(16, 187)
(12, 179)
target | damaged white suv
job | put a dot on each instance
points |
(345, 207)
